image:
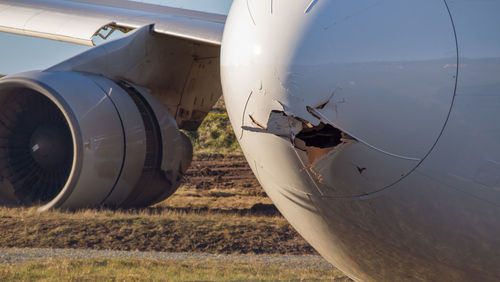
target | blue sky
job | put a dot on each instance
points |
(21, 53)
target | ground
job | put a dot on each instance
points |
(219, 209)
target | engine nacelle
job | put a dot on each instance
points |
(74, 140)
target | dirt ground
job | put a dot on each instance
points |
(221, 171)
(221, 183)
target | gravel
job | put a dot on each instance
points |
(17, 255)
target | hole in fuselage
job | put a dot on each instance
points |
(321, 136)
(319, 140)
(36, 147)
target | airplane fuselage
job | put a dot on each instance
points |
(374, 127)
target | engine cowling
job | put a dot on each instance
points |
(74, 140)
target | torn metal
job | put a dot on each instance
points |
(106, 31)
(318, 141)
(315, 140)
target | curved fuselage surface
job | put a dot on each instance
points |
(374, 126)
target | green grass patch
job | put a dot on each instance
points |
(157, 270)
(215, 134)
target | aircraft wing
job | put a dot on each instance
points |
(163, 75)
(78, 21)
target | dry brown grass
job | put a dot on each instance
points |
(158, 270)
(232, 215)
(223, 184)
(154, 229)
(220, 200)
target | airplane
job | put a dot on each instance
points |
(374, 126)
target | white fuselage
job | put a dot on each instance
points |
(412, 189)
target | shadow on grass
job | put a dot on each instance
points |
(256, 210)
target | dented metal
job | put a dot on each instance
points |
(338, 113)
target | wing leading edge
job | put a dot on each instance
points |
(79, 21)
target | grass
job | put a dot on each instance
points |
(153, 229)
(157, 270)
(215, 134)
(234, 199)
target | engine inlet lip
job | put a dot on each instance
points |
(71, 120)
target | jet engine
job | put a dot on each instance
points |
(74, 140)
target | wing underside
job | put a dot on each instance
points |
(79, 21)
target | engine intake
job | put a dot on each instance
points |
(74, 140)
